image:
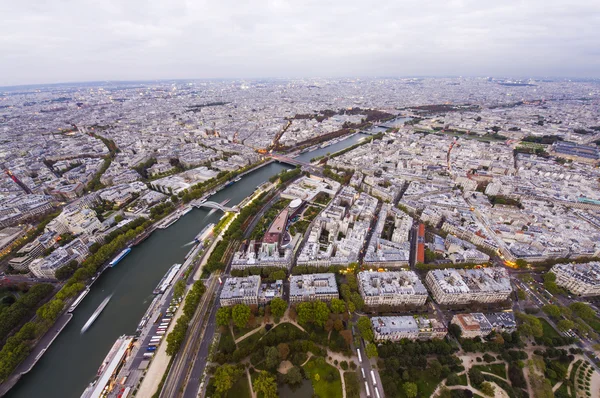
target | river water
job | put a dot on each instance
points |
(72, 361)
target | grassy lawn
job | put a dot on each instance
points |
(323, 387)
(563, 389)
(226, 340)
(427, 383)
(498, 369)
(250, 340)
(463, 379)
(237, 332)
(549, 331)
(241, 388)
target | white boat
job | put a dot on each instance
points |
(96, 313)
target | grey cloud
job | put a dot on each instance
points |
(53, 41)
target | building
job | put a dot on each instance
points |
(274, 250)
(240, 291)
(46, 267)
(391, 288)
(249, 290)
(480, 325)
(395, 328)
(463, 286)
(389, 245)
(579, 279)
(313, 287)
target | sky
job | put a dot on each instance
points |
(51, 41)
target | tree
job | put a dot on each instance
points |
(305, 312)
(347, 336)
(565, 324)
(488, 389)
(455, 330)
(338, 324)
(371, 350)
(179, 289)
(293, 377)
(521, 294)
(284, 350)
(553, 310)
(265, 383)
(364, 326)
(358, 301)
(277, 275)
(321, 313)
(453, 380)
(272, 358)
(240, 315)
(410, 389)
(521, 263)
(223, 316)
(278, 307)
(435, 367)
(476, 377)
(338, 306)
(225, 376)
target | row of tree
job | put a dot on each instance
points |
(176, 337)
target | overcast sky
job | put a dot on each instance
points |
(47, 41)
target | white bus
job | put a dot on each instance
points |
(367, 388)
(377, 392)
(148, 354)
(363, 373)
(359, 356)
(373, 378)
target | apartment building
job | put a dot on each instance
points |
(463, 286)
(579, 279)
(395, 328)
(313, 287)
(391, 288)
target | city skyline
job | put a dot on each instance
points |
(89, 41)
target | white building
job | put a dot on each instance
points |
(463, 286)
(47, 267)
(580, 279)
(391, 288)
(313, 287)
(395, 328)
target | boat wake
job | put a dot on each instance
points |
(189, 243)
(95, 314)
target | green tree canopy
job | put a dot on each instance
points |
(410, 389)
(265, 383)
(364, 326)
(278, 307)
(240, 315)
(225, 376)
(223, 316)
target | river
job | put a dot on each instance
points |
(73, 359)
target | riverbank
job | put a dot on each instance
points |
(36, 354)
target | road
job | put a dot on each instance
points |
(365, 369)
(177, 377)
